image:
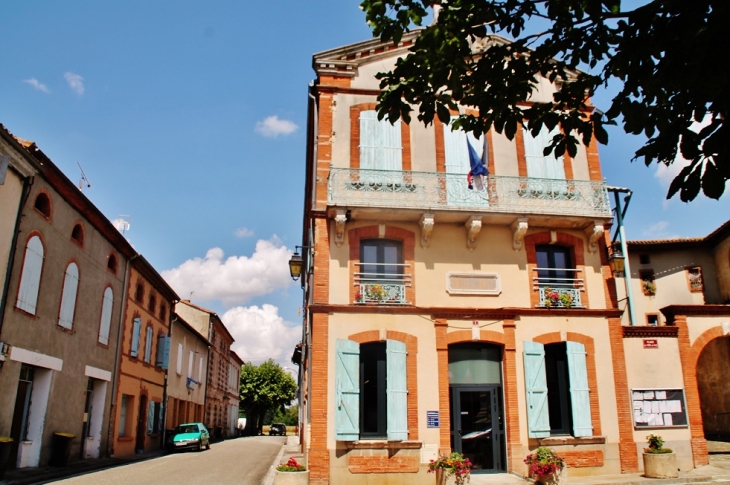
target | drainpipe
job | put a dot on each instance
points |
(117, 356)
(27, 184)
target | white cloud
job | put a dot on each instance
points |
(658, 231)
(261, 333)
(272, 127)
(243, 232)
(37, 85)
(236, 279)
(75, 82)
(665, 174)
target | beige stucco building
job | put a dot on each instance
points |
(187, 375)
(61, 313)
(443, 317)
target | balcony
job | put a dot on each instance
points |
(432, 191)
(382, 288)
(557, 292)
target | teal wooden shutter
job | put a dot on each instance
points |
(347, 388)
(151, 417)
(538, 418)
(166, 356)
(397, 392)
(381, 147)
(161, 416)
(579, 391)
(136, 329)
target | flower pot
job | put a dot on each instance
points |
(557, 478)
(443, 478)
(6, 445)
(660, 465)
(291, 478)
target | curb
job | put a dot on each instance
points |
(269, 478)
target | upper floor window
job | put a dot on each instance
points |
(43, 204)
(457, 144)
(111, 263)
(163, 312)
(694, 279)
(148, 345)
(106, 316)
(538, 164)
(77, 234)
(380, 143)
(139, 293)
(381, 277)
(136, 334)
(648, 283)
(556, 382)
(152, 304)
(557, 278)
(68, 297)
(30, 278)
(371, 391)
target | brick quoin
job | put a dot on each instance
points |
(594, 163)
(577, 254)
(411, 370)
(521, 158)
(582, 459)
(442, 353)
(628, 456)
(324, 149)
(405, 136)
(554, 337)
(689, 355)
(406, 237)
(383, 463)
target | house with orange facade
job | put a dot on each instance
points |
(140, 392)
(479, 314)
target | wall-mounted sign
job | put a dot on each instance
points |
(659, 408)
(651, 343)
(432, 419)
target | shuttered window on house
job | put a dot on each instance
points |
(136, 330)
(456, 150)
(106, 315)
(178, 364)
(539, 165)
(380, 143)
(68, 297)
(30, 279)
(565, 408)
(148, 345)
(371, 391)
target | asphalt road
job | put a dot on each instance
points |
(243, 461)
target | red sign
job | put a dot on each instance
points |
(651, 343)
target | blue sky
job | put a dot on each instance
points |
(189, 117)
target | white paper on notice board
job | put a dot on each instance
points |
(661, 395)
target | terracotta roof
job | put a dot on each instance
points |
(711, 239)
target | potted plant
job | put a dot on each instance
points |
(554, 298)
(452, 469)
(6, 444)
(291, 473)
(659, 462)
(545, 466)
(649, 287)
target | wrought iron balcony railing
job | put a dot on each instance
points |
(382, 288)
(438, 190)
(556, 291)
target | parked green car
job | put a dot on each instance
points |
(189, 435)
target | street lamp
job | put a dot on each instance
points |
(296, 263)
(616, 259)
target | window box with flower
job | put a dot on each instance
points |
(453, 469)
(546, 466)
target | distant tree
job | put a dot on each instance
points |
(289, 416)
(262, 388)
(666, 55)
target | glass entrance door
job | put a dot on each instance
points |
(477, 426)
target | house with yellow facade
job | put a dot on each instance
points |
(451, 310)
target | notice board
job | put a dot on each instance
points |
(659, 408)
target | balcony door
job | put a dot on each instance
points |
(456, 153)
(381, 278)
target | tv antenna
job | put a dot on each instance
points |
(84, 178)
(122, 223)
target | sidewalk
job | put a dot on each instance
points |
(27, 476)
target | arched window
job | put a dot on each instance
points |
(163, 312)
(68, 297)
(106, 316)
(152, 304)
(43, 204)
(139, 293)
(30, 278)
(77, 234)
(111, 263)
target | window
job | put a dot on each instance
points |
(30, 278)
(456, 150)
(148, 345)
(648, 283)
(200, 370)
(126, 404)
(136, 331)
(694, 279)
(371, 391)
(163, 351)
(111, 263)
(151, 417)
(644, 259)
(77, 234)
(652, 319)
(380, 143)
(139, 293)
(178, 366)
(538, 164)
(557, 279)
(68, 297)
(381, 278)
(163, 312)
(43, 205)
(152, 304)
(556, 384)
(191, 358)
(107, 304)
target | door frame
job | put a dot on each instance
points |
(498, 435)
